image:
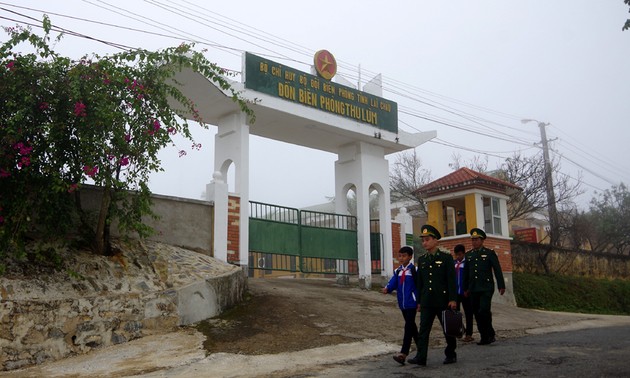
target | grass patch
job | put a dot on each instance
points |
(572, 294)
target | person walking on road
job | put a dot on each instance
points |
(403, 282)
(479, 284)
(463, 300)
(437, 291)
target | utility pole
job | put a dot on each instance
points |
(554, 224)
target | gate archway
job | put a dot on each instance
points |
(296, 107)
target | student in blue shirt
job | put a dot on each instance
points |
(403, 282)
(463, 300)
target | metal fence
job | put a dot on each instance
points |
(287, 239)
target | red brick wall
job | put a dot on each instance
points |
(500, 246)
(234, 208)
(396, 242)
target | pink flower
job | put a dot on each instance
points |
(196, 115)
(73, 187)
(24, 150)
(127, 138)
(182, 153)
(156, 127)
(124, 161)
(79, 109)
(90, 171)
(10, 65)
(4, 173)
(26, 161)
(171, 130)
(43, 105)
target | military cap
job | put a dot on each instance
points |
(428, 230)
(477, 233)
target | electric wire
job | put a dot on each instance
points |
(171, 8)
(609, 165)
(62, 30)
(161, 5)
(296, 48)
(217, 22)
(161, 26)
(495, 154)
(122, 27)
(596, 174)
(594, 161)
(462, 128)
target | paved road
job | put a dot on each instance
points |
(600, 352)
(530, 343)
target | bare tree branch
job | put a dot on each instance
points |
(529, 174)
(406, 176)
(477, 163)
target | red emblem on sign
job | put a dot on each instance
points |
(325, 64)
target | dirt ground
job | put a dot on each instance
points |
(286, 315)
(291, 328)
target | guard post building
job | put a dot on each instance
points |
(482, 199)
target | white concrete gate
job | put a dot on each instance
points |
(307, 110)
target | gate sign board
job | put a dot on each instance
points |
(526, 235)
(275, 79)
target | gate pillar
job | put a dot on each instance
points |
(232, 146)
(217, 192)
(363, 165)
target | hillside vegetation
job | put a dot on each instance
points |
(572, 294)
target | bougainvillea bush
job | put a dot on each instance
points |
(99, 120)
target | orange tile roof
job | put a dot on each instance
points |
(465, 178)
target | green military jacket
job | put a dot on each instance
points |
(478, 271)
(436, 280)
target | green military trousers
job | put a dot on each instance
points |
(481, 306)
(427, 317)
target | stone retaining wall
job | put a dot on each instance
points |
(526, 258)
(143, 291)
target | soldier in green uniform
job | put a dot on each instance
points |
(437, 290)
(479, 284)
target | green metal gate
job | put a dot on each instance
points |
(287, 239)
(376, 246)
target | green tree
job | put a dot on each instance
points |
(100, 120)
(626, 26)
(610, 215)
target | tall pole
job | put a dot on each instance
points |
(554, 224)
(551, 197)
